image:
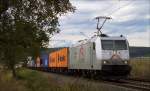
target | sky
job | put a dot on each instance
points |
(131, 18)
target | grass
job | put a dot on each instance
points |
(30, 80)
(34, 81)
(140, 68)
(7, 83)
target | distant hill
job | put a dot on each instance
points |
(139, 51)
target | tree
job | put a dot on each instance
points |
(25, 27)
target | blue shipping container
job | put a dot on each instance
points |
(32, 63)
(44, 59)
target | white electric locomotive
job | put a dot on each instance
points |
(102, 56)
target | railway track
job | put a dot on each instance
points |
(137, 85)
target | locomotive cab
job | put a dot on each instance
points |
(113, 52)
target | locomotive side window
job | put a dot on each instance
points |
(120, 45)
(107, 44)
(93, 45)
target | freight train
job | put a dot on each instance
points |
(100, 56)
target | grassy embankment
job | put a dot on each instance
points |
(30, 80)
(27, 81)
(140, 68)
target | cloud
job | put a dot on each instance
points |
(129, 17)
(65, 40)
(139, 39)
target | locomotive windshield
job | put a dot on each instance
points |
(107, 44)
(120, 45)
(114, 45)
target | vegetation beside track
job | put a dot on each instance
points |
(31, 80)
(27, 80)
(140, 69)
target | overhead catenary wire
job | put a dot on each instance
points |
(120, 7)
(84, 35)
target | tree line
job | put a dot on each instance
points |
(26, 26)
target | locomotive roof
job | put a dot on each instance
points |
(113, 38)
(93, 39)
(108, 38)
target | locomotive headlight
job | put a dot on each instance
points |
(104, 62)
(114, 52)
(126, 62)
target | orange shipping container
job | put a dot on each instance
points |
(59, 58)
(38, 62)
(62, 58)
(52, 59)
